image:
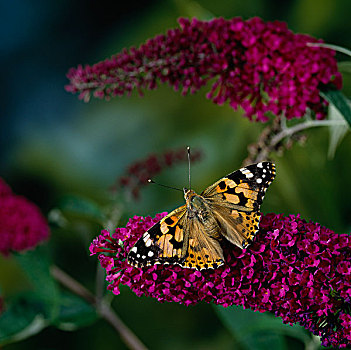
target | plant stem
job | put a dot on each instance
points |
(332, 47)
(104, 310)
(287, 132)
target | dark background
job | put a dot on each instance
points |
(53, 145)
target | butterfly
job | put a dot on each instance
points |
(190, 235)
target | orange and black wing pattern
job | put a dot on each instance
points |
(235, 201)
(165, 242)
(204, 251)
(185, 238)
(176, 239)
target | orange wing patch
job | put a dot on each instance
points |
(179, 234)
(222, 188)
(224, 184)
(248, 193)
(172, 237)
(166, 246)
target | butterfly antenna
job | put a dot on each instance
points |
(156, 183)
(188, 149)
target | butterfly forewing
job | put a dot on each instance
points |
(163, 242)
(235, 201)
(243, 188)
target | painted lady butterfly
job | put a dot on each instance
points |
(190, 235)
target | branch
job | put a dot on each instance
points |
(104, 310)
(288, 132)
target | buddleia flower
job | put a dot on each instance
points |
(300, 271)
(138, 173)
(22, 226)
(262, 67)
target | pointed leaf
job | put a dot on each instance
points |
(259, 331)
(344, 67)
(36, 265)
(74, 313)
(22, 318)
(341, 103)
(81, 207)
(194, 9)
(336, 132)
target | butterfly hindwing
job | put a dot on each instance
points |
(163, 242)
(204, 250)
(237, 227)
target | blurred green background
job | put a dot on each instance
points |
(53, 145)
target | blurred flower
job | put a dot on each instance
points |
(298, 270)
(5, 189)
(140, 172)
(22, 224)
(262, 67)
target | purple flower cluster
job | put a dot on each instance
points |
(262, 67)
(138, 173)
(298, 270)
(22, 224)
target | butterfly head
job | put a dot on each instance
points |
(188, 193)
(194, 202)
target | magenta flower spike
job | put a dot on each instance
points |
(139, 172)
(299, 271)
(22, 224)
(260, 66)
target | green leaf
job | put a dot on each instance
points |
(36, 265)
(22, 318)
(344, 67)
(336, 132)
(259, 331)
(81, 207)
(193, 9)
(341, 103)
(74, 313)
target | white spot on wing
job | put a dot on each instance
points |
(260, 165)
(259, 180)
(148, 243)
(146, 236)
(247, 173)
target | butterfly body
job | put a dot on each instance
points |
(196, 206)
(192, 234)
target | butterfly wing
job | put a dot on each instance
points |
(163, 242)
(235, 201)
(181, 238)
(177, 239)
(204, 250)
